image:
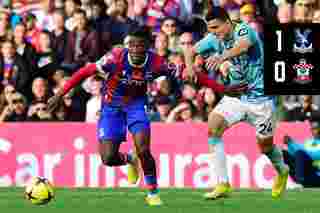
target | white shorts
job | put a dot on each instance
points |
(259, 115)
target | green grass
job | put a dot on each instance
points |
(175, 200)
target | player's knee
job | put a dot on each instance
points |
(144, 154)
(265, 144)
(108, 159)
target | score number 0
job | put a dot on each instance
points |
(279, 66)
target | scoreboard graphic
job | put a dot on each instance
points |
(292, 59)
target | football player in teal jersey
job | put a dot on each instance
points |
(238, 52)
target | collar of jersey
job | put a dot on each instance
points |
(138, 66)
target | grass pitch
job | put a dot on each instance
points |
(92, 200)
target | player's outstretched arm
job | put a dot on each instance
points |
(76, 78)
(241, 46)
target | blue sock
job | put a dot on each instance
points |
(151, 182)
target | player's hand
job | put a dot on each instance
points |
(213, 62)
(54, 102)
(224, 68)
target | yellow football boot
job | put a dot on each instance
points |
(220, 190)
(153, 200)
(279, 184)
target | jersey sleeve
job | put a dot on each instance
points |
(209, 44)
(244, 31)
(78, 76)
(107, 62)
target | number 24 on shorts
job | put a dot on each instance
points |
(265, 127)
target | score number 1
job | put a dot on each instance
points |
(279, 66)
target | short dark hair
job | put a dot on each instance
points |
(140, 32)
(217, 13)
(60, 12)
(167, 18)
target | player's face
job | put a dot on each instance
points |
(220, 28)
(137, 49)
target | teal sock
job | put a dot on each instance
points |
(276, 158)
(218, 160)
(214, 140)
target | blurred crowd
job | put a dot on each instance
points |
(43, 42)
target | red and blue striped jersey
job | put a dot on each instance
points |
(124, 83)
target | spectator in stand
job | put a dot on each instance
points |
(38, 111)
(189, 92)
(248, 14)
(94, 103)
(154, 11)
(44, 16)
(83, 44)
(5, 96)
(316, 16)
(303, 10)
(46, 57)
(40, 90)
(304, 159)
(59, 35)
(284, 13)
(16, 110)
(58, 4)
(12, 68)
(162, 45)
(169, 27)
(86, 5)
(234, 15)
(101, 23)
(25, 49)
(184, 112)
(70, 6)
(209, 100)
(305, 111)
(187, 10)
(163, 107)
(33, 32)
(186, 40)
(74, 106)
(119, 21)
(58, 79)
(5, 28)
